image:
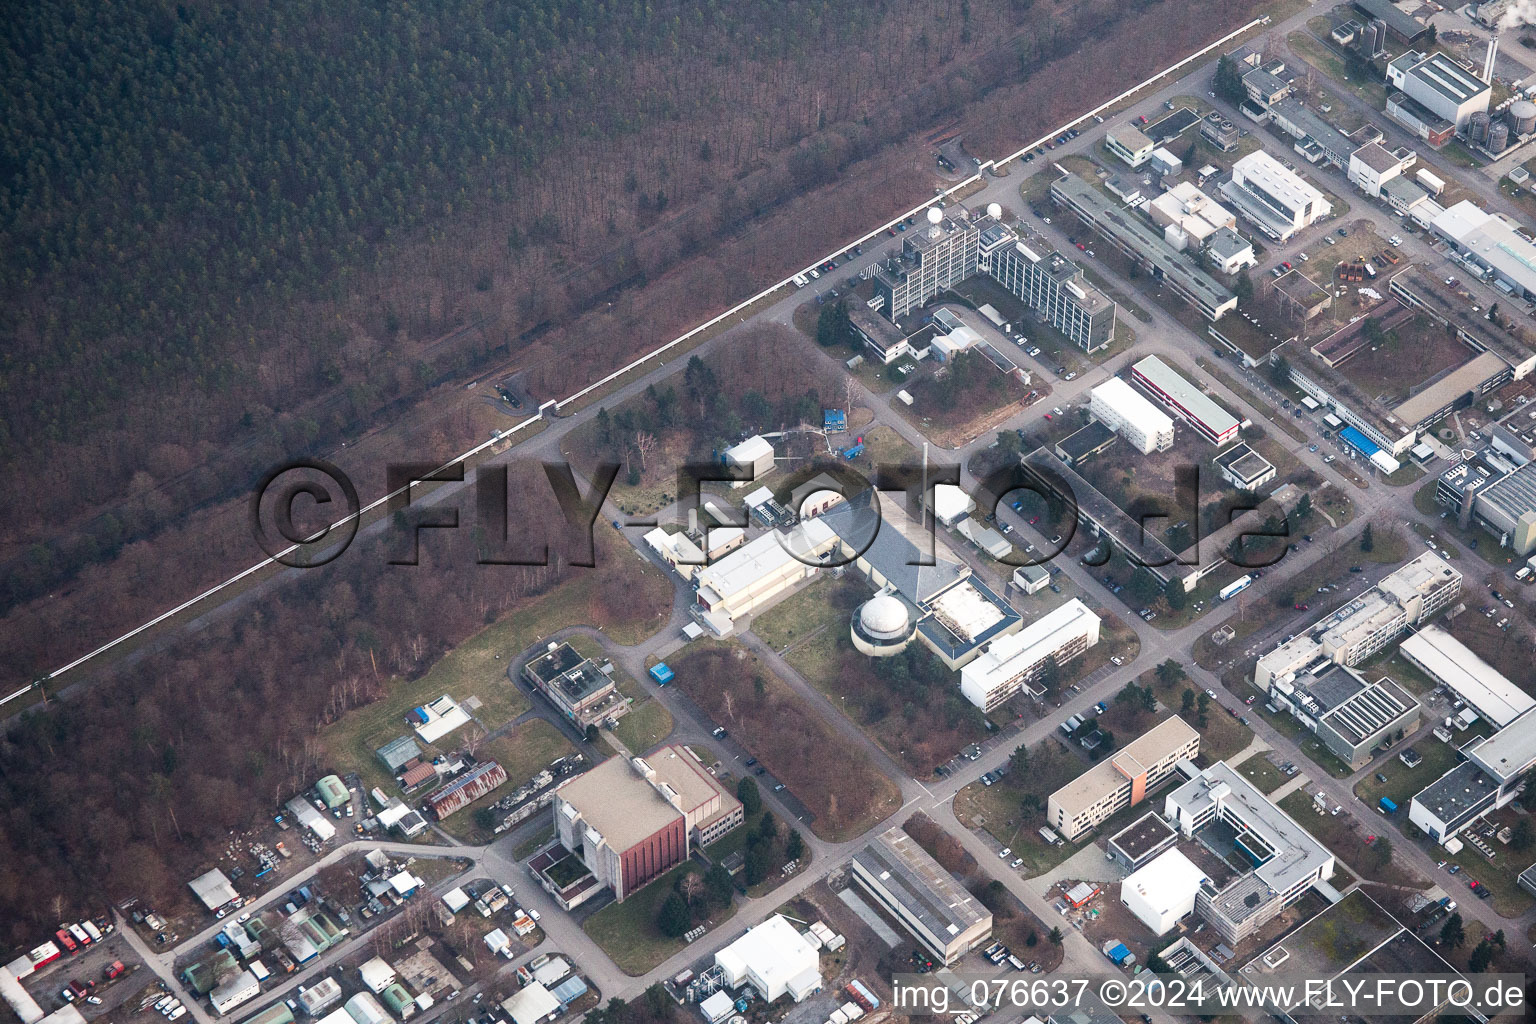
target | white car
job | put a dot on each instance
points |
(177, 1014)
(1211, 694)
(1004, 853)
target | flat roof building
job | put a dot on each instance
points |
(1085, 443)
(1163, 893)
(1189, 403)
(1244, 468)
(1496, 491)
(1440, 85)
(1188, 216)
(1144, 244)
(755, 575)
(927, 900)
(1316, 140)
(1127, 412)
(214, 889)
(1056, 289)
(1011, 663)
(1492, 243)
(1228, 251)
(1128, 143)
(933, 257)
(1288, 860)
(774, 959)
(1274, 198)
(573, 683)
(1350, 715)
(630, 820)
(1455, 666)
(1141, 841)
(240, 989)
(1122, 780)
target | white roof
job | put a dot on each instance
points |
(213, 888)
(773, 951)
(750, 450)
(965, 611)
(364, 1008)
(1263, 169)
(376, 974)
(767, 554)
(497, 941)
(950, 502)
(456, 899)
(531, 1004)
(552, 970)
(717, 1007)
(443, 716)
(758, 497)
(405, 882)
(1491, 239)
(1194, 401)
(1133, 407)
(1009, 655)
(1169, 879)
(235, 991)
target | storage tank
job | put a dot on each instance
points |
(1498, 138)
(1522, 117)
(1477, 127)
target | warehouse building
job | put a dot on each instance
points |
(238, 990)
(1277, 200)
(1440, 85)
(1055, 288)
(757, 574)
(753, 456)
(1188, 402)
(1495, 491)
(1144, 244)
(1348, 714)
(1401, 26)
(1288, 861)
(583, 693)
(319, 996)
(680, 553)
(1317, 141)
(1128, 413)
(1013, 662)
(934, 256)
(1455, 666)
(1244, 468)
(213, 888)
(1492, 244)
(916, 890)
(1163, 893)
(774, 960)
(466, 789)
(1124, 779)
(629, 821)
(398, 753)
(1489, 778)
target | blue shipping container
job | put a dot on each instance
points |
(1388, 805)
(661, 673)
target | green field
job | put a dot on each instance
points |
(646, 725)
(627, 931)
(1262, 772)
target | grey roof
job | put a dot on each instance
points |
(1144, 238)
(1444, 76)
(1335, 143)
(398, 752)
(1226, 243)
(1510, 751)
(1263, 82)
(1404, 191)
(1243, 461)
(1376, 156)
(1515, 495)
(1399, 22)
(1145, 833)
(920, 884)
(861, 527)
(1459, 791)
(1087, 440)
(1296, 853)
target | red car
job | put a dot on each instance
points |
(1301, 607)
(1081, 246)
(1286, 265)
(1047, 415)
(1033, 521)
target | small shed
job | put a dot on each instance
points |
(532, 1004)
(717, 1007)
(661, 673)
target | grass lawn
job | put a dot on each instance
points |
(627, 931)
(532, 845)
(1223, 737)
(1341, 834)
(646, 725)
(1305, 739)
(524, 752)
(478, 666)
(1261, 771)
(1403, 782)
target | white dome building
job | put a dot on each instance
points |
(882, 626)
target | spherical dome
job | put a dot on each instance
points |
(995, 211)
(935, 215)
(883, 616)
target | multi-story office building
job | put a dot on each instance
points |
(1407, 597)
(1288, 861)
(579, 690)
(1129, 144)
(1350, 715)
(1488, 779)
(1273, 197)
(1188, 402)
(933, 257)
(1131, 415)
(1188, 216)
(1124, 779)
(1055, 287)
(1014, 661)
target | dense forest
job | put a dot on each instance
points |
(233, 233)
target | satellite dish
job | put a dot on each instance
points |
(995, 211)
(935, 215)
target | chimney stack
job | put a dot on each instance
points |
(1493, 48)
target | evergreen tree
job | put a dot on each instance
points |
(1303, 509)
(674, 919)
(1452, 934)
(1187, 704)
(794, 845)
(1056, 937)
(759, 862)
(747, 793)
(1367, 541)
(1228, 83)
(1175, 594)
(718, 881)
(1481, 957)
